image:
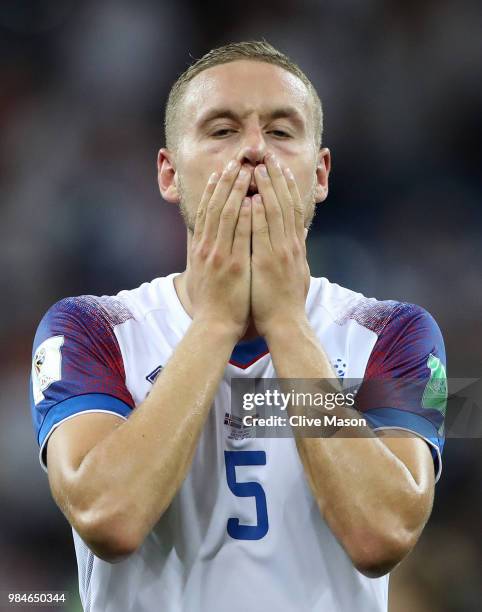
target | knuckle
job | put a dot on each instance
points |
(236, 267)
(243, 213)
(239, 187)
(216, 258)
(242, 230)
(212, 207)
(203, 250)
(296, 248)
(262, 230)
(241, 233)
(227, 214)
(284, 254)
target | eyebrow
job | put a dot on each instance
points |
(282, 112)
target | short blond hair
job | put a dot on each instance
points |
(255, 50)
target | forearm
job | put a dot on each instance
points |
(129, 479)
(364, 491)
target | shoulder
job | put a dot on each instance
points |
(86, 309)
(96, 313)
(82, 316)
(383, 317)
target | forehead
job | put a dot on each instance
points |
(244, 86)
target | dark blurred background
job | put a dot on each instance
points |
(83, 88)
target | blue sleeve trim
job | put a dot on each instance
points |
(81, 403)
(379, 418)
(394, 417)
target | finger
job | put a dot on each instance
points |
(242, 232)
(229, 213)
(201, 211)
(218, 200)
(272, 209)
(298, 209)
(260, 231)
(283, 194)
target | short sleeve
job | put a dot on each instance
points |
(77, 364)
(407, 371)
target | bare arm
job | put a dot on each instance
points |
(115, 493)
(375, 494)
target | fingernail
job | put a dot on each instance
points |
(257, 199)
(213, 177)
(232, 165)
(263, 171)
(246, 201)
(288, 173)
(244, 173)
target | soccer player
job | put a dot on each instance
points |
(171, 507)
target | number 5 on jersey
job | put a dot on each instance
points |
(247, 489)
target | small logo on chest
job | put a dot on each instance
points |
(154, 374)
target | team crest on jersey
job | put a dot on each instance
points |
(46, 366)
(237, 431)
(154, 374)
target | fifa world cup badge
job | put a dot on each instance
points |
(46, 366)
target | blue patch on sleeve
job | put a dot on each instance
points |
(94, 402)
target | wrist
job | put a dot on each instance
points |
(222, 331)
(284, 324)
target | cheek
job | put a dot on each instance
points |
(192, 178)
(305, 180)
(303, 166)
(200, 161)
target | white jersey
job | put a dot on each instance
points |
(244, 532)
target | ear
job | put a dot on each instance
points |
(167, 176)
(323, 168)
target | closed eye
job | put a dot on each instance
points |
(227, 131)
(222, 133)
(280, 134)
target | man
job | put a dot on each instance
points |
(170, 509)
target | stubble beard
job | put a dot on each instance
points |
(188, 212)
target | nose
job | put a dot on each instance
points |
(253, 148)
(252, 155)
